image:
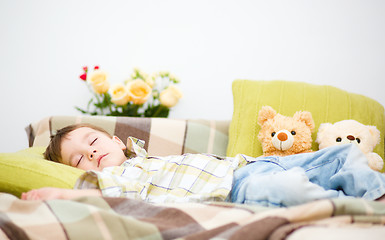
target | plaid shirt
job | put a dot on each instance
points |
(181, 178)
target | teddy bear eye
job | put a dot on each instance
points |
(338, 139)
(358, 140)
(293, 133)
(273, 134)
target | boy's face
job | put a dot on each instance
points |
(89, 149)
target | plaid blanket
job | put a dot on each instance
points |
(121, 218)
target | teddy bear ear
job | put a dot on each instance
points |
(305, 117)
(375, 134)
(321, 131)
(265, 114)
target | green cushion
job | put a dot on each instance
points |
(27, 169)
(326, 103)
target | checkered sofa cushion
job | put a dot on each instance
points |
(163, 136)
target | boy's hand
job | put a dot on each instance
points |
(48, 193)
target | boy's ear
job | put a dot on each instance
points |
(119, 142)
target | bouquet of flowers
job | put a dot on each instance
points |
(141, 95)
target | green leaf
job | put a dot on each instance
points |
(157, 111)
(81, 110)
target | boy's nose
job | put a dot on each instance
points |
(91, 155)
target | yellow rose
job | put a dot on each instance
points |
(98, 81)
(170, 96)
(119, 94)
(139, 91)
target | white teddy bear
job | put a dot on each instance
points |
(351, 131)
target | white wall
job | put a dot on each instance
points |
(207, 43)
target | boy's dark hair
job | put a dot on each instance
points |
(53, 151)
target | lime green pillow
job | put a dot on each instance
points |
(27, 169)
(326, 103)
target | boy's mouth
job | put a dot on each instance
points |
(100, 158)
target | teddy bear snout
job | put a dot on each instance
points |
(283, 140)
(282, 136)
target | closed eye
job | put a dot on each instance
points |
(93, 141)
(80, 159)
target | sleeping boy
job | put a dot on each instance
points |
(116, 170)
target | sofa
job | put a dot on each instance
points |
(115, 218)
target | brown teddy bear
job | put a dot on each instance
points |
(281, 135)
(350, 131)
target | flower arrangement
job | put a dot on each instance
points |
(141, 95)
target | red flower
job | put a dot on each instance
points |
(83, 76)
(96, 67)
(85, 68)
